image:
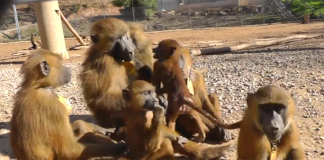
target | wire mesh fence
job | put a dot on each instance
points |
(169, 14)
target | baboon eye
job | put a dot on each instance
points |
(279, 108)
(146, 93)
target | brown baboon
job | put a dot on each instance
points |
(37, 108)
(167, 71)
(147, 136)
(104, 76)
(268, 130)
(35, 41)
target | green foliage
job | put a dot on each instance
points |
(302, 7)
(85, 5)
(149, 6)
(76, 7)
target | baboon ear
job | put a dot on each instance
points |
(172, 50)
(45, 68)
(126, 95)
(94, 38)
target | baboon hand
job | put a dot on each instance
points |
(163, 101)
(158, 110)
(182, 140)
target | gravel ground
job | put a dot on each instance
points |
(298, 67)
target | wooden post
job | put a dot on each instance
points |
(50, 27)
(306, 19)
(68, 25)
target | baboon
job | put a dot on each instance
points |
(148, 137)
(200, 98)
(167, 70)
(268, 130)
(35, 41)
(104, 76)
(37, 108)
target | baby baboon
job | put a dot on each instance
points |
(39, 126)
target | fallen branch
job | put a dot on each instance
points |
(68, 25)
(79, 47)
(259, 43)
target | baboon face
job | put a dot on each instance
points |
(165, 49)
(161, 53)
(62, 74)
(122, 47)
(125, 48)
(272, 118)
(141, 93)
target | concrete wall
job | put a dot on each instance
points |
(167, 5)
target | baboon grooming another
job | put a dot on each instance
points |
(268, 130)
(104, 76)
(37, 108)
(147, 136)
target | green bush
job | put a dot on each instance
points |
(76, 7)
(299, 8)
(146, 7)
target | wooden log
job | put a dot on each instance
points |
(68, 25)
(260, 43)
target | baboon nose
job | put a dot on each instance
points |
(274, 129)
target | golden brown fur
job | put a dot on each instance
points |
(91, 133)
(104, 76)
(253, 142)
(144, 54)
(39, 126)
(148, 137)
(35, 41)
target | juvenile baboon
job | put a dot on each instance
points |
(147, 136)
(200, 98)
(167, 70)
(35, 41)
(39, 126)
(104, 76)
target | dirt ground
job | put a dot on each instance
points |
(296, 66)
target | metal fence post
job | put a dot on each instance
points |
(16, 20)
(133, 11)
